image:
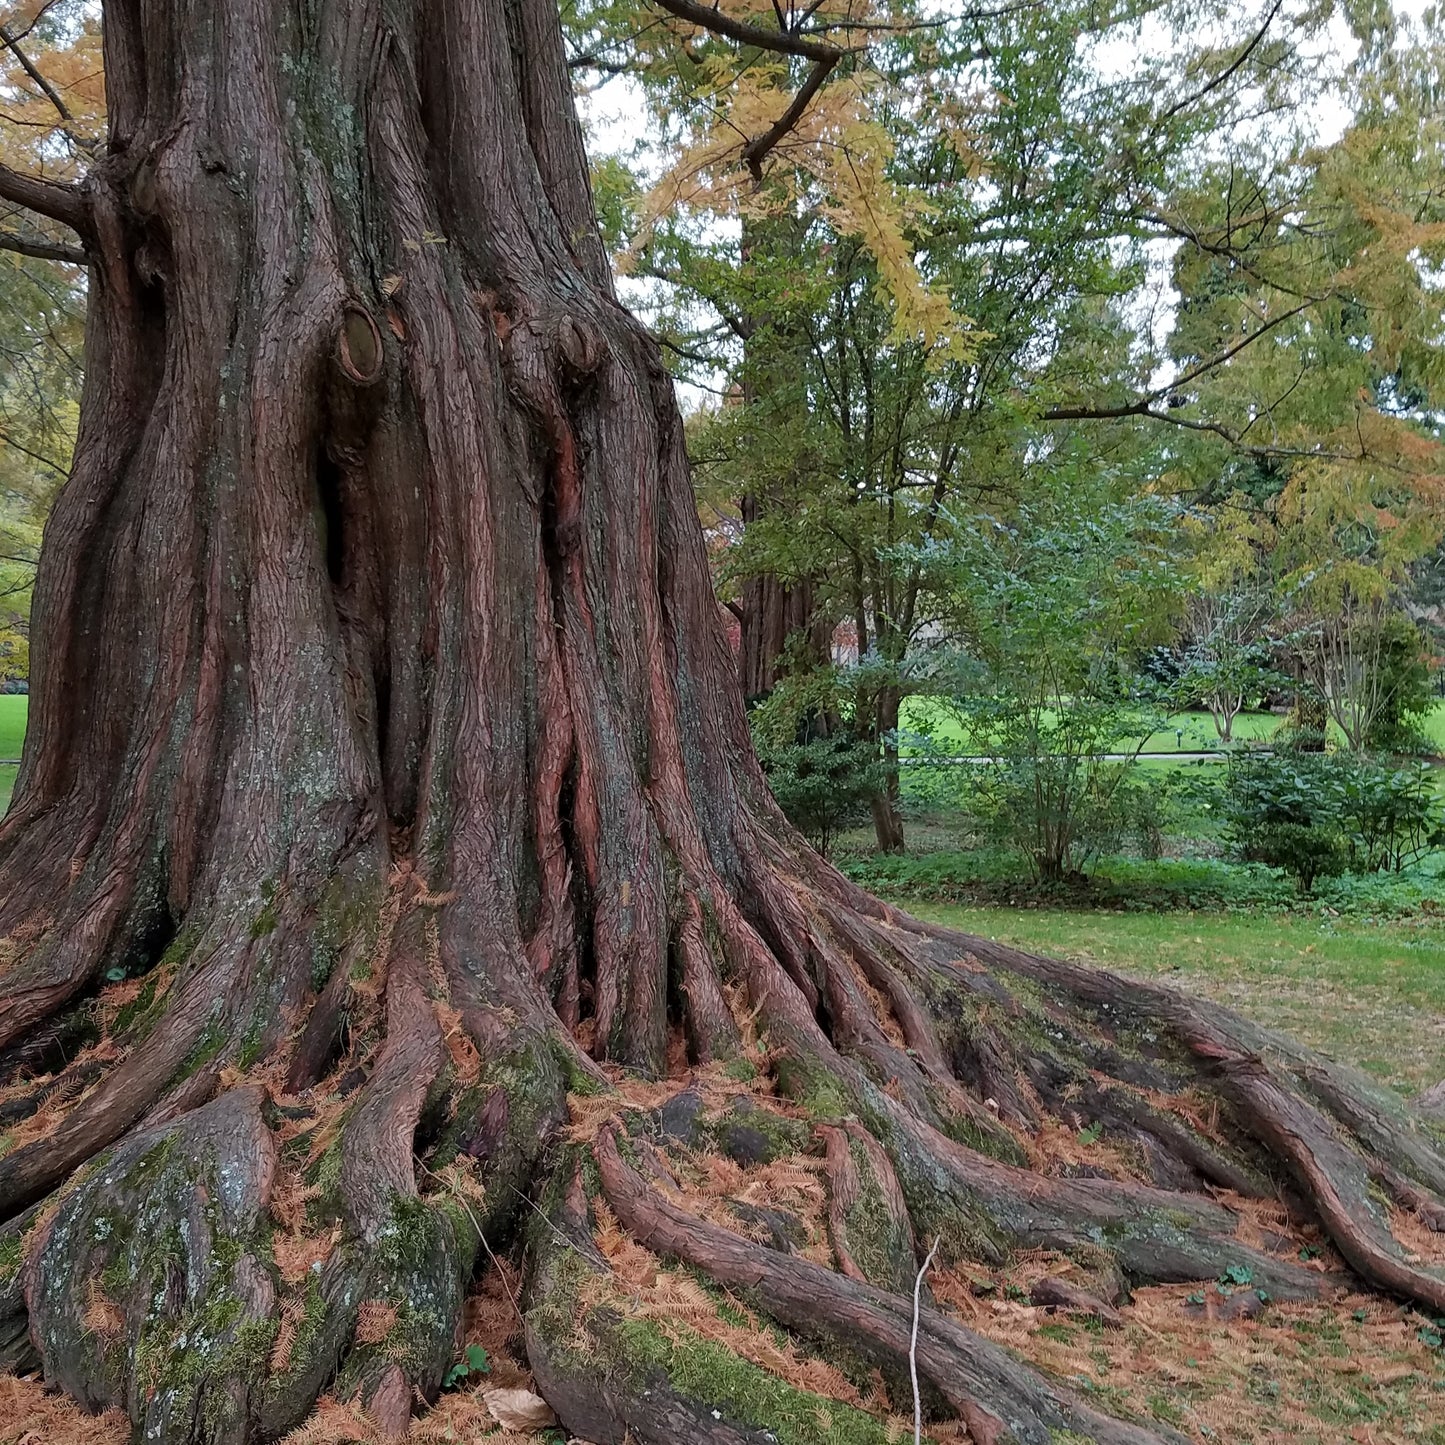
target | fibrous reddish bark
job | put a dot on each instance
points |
(388, 781)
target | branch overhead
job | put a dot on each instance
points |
(42, 250)
(11, 42)
(757, 149)
(61, 202)
(783, 42)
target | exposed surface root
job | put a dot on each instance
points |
(272, 1232)
(975, 1379)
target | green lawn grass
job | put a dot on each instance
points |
(926, 714)
(1372, 995)
(13, 710)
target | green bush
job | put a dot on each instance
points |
(1285, 809)
(822, 784)
(1317, 815)
(1058, 788)
(1405, 685)
(1391, 814)
(990, 876)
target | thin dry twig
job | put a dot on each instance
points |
(913, 1343)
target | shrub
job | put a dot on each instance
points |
(1406, 692)
(823, 784)
(1286, 809)
(1319, 814)
(1059, 785)
(1391, 814)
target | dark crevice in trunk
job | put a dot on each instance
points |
(152, 934)
(330, 519)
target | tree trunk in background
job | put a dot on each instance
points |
(887, 820)
(388, 804)
(772, 613)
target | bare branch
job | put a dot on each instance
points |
(781, 41)
(63, 203)
(55, 467)
(1217, 360)
(1144, 405)
(12, 43)
(1224, 75)
(42, 250)
(36, 19)
(913, 1345)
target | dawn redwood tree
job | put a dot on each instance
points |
(388, 788)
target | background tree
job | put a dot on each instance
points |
(48, 118)
(1229, 610)
(1036, 186)
(1058, 603)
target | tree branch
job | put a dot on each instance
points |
(1224, 75)
(12, 43)
(1143, 405)
(757, 148)
(55, 467)
(63, 203)
(42, 250)
(783, 42)
(36, 19)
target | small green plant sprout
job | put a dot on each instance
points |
(1091, 1134)
(473, 1362)
(1237, 1276)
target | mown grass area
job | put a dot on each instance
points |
(1370, 994)
(1184, 731)
(13, 712)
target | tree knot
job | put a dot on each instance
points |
(580, 346)
(359, 349)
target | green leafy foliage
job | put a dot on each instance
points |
(42, 302)
(1392, 815)
(1317, 814)
(473, 1362)
(823, 784)
(1286, 810)
(1053, 608)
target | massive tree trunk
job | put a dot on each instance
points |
(388, 785)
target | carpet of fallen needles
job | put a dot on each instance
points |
(1222, 1362)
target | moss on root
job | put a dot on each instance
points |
(724, 1384)
(878, 1241)
(635, 1357)
(12, 1256)
(417, 1267)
